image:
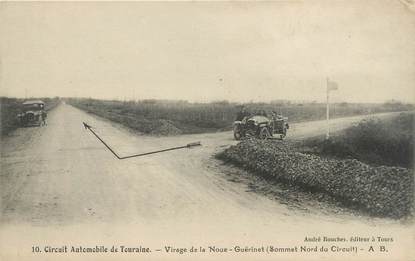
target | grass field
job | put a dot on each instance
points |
(180, 117)
(10, 107)
(388, 142)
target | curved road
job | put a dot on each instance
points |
(59, 185)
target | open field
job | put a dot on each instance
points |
(180, 117)
(374, 141)
(10, 107)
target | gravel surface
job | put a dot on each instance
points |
(383, 191)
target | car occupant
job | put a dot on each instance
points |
(242, 114)
(262, 113)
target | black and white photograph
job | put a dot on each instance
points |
(207, 130)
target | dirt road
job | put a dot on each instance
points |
(58, 182)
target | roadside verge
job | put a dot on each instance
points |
(380, 191)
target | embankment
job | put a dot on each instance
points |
(381, 191)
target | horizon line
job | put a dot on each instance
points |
(125, 99)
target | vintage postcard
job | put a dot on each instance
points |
(269, 130)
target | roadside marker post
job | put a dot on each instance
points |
(331, 86)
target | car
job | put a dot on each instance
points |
(32, 113)
(260, 126)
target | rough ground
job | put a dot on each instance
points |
(381, 191)
(59, 185)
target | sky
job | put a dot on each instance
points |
(209, 51)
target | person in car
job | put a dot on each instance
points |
(262, 113)
(242, 114)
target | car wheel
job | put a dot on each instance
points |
(236, 133)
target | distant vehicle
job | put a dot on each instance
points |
(261, 127)
(32, 113)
